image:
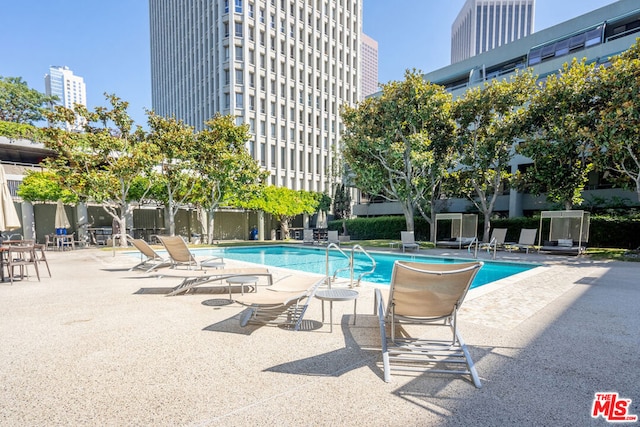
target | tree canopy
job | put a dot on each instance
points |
(488, 119)
(225, 169)
(107, 163)
(284, 204)
(21, 104)
(398, 144)
(618, 128)
(560, 123)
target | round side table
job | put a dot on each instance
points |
(242, 280)
(332, 295)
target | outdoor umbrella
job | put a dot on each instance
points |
(9, 219)
(62, 222)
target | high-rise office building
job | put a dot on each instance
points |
(369, 66)
(483, 25)
(284, 67)
(69, 88)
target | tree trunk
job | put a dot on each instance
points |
(210, 224)
(407, 208)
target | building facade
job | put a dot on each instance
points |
(284, 67)
(69, 88)
(596, 36)
(483, 25)
(369, 66)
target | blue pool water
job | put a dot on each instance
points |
(313, 260)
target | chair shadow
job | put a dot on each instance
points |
(354, 355)
(232, 324)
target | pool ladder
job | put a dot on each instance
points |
(351, 258)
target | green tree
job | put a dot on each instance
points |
(176, 144)
(19, 103)
(558, 134)
(225, 168)
(44, 186)
(488, 120)
(109, 163)
(284, 204)
(618, 131)
(399, 144)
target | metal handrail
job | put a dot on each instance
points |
(373, 262)
(335, 273)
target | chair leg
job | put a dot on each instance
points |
(470, 364)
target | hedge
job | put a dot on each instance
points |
(604, 231)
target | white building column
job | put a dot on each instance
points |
(83, 222)
(28, 221)
(260, 225)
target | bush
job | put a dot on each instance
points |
(381, 227)
(604, 231)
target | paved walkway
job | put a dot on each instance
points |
(99, 345)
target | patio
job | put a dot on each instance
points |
(99, 345)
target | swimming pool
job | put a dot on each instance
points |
(313, 260)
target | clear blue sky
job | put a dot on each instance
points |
(107, 42)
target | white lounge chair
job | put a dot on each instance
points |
(498, 235)
(189, 279)
(332, 237)
(179, 254)
(153, 259)
(307, 236)
(526, 241)
(284, 304)
(408, 241)
(426, 294)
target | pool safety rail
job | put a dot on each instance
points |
(331, 278)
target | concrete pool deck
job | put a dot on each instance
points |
(99, 345)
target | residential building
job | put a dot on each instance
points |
(596, 36)
(369, 66)
(483, 25)
(69, 88)
(284, 67)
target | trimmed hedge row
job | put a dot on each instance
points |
(604, 232)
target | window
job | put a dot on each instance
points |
(238, 6)
(273, 156)
(262, 15)
(239, 100)
(238, 27)
(239, 53)
(239, 77)
(226, 6)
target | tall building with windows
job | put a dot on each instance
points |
(284, 67)
(69, 88)
(369, 66)
(483, 25)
